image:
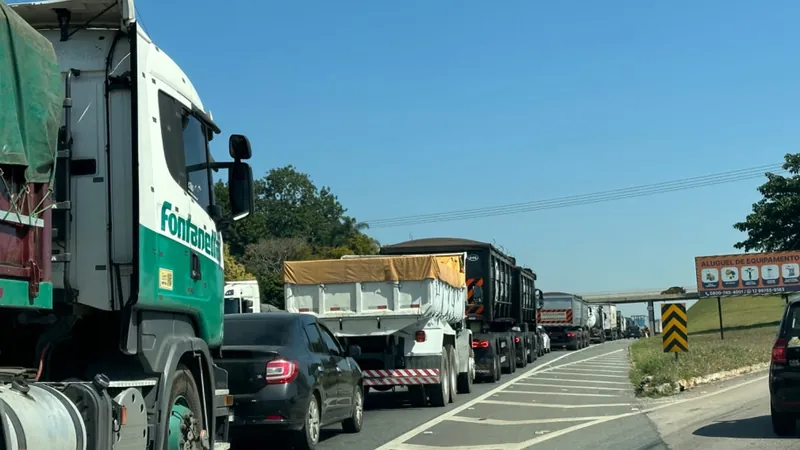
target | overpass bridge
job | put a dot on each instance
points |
(643, 296)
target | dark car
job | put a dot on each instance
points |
(784, 373)
(288, 372)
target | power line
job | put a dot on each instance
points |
(583, 199)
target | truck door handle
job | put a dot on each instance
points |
(195, 267)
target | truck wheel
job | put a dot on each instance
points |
(495, 377)
(511, 361)
(465, 381)
(418, 397)
(530, 357)
(453, 363)
(522, 360)
(440, 393)
(186, 415)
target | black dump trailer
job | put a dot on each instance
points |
(526, 301)
(489, 309)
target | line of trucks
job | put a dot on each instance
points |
(434, 315)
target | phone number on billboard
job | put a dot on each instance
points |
(769, 290)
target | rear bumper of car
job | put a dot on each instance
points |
(784, 389)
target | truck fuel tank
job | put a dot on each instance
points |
(36, 416)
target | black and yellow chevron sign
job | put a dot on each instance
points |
(674, 337)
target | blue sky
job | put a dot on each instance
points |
(413, 107)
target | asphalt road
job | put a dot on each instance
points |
(570, 400)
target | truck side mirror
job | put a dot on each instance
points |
(477, 293)
(539, 295)
(240, 188)
(239, 147)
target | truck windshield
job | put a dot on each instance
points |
(238, 305)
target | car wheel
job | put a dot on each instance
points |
(783, 424)
(308, 436)
(354, 423)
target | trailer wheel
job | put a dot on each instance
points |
(530, 357)
(186, 415)
(418, 397)
(453, 363)
(465, 381)
(511, 360)
(440, 393)
(494, 374)
(523, 360)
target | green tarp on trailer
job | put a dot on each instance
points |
(31, 98)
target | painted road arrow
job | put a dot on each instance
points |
(674, 336)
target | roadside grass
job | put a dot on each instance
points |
(749, 324)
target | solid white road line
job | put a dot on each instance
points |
(567, 394)
(548, 405)
(394, 444)
(520, 422)
(593, 371)
(570, 372)
(566, 387)
(582, 381)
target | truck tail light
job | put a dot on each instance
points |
(779, 351)
(419, 336)
(480, 344)
(571, 335)
(281, 371)
(517, 339)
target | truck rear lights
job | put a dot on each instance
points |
(571, 335)
(517, 339)
(281, 371)
(419, 336)
(779, 351)
(480, 344)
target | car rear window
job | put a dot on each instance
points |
(261, 331)
(791, 325)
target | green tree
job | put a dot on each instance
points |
(774, 224)
(234, 270)
(293, 220)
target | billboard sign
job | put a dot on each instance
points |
(748, 274)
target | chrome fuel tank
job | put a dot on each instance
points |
(37, 416)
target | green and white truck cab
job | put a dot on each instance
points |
(111, 267)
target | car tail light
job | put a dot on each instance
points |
(480, 344)
(570, 334)
(517, 339)
(779, 351)
(281, 371)
(419, 336)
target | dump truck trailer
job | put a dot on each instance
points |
(111, 300)
(526, 301)
(564, 317)
(490, 301)
(406, 313)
